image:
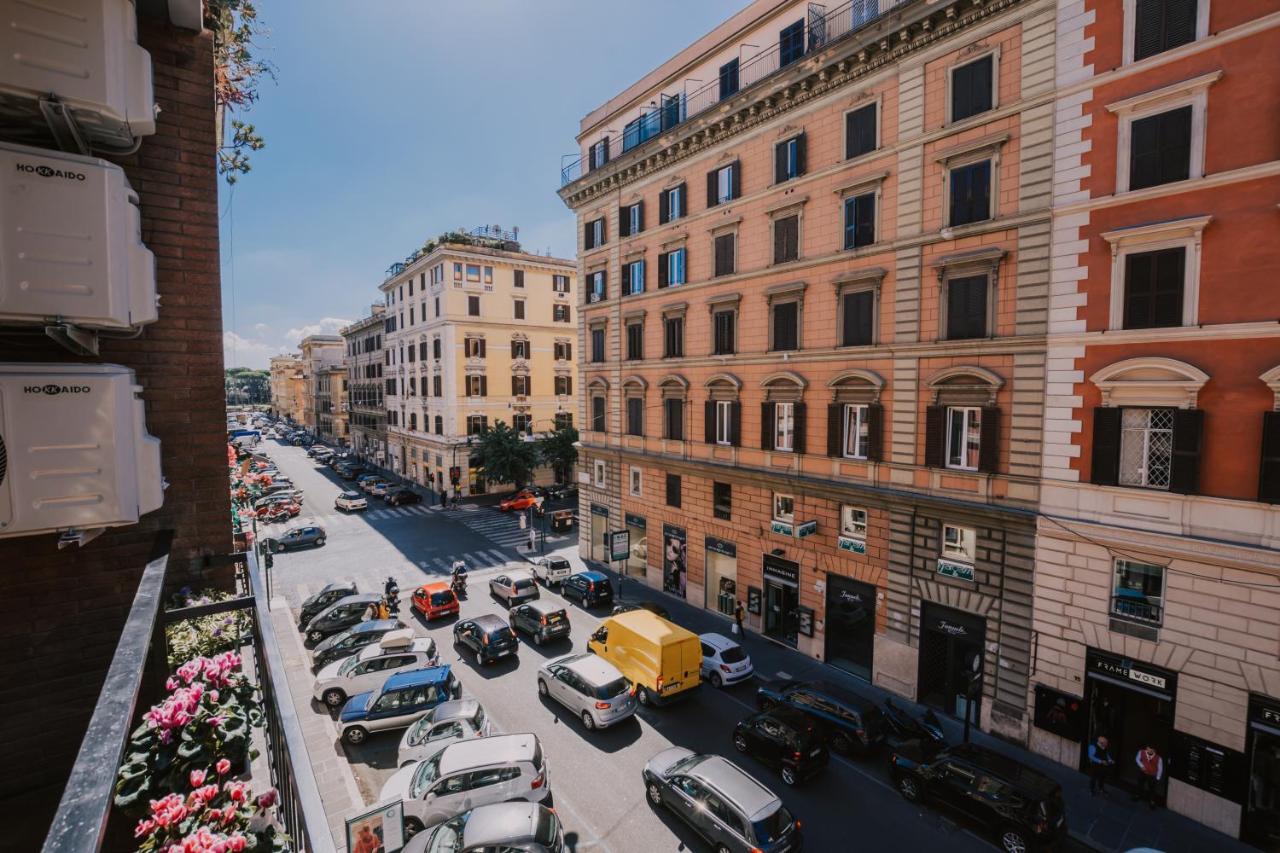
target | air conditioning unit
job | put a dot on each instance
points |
(71, 247)
(75, 455)
(74, 67)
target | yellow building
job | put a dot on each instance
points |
(319, 353)
(286, 386)
(331, 404)
(477, 331)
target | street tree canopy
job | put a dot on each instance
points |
(505, 455)
(558, 450)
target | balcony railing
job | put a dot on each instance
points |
(821, 30)
(83, 820)
(1136, 609)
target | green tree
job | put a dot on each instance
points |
(559, 451)
(247, 386)
(505, 455)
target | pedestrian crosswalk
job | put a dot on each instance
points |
(500, 528)
(329, 516)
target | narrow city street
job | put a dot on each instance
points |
(595, 776)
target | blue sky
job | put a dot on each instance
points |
(393, 120)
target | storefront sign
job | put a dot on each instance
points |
(1125, 669)
(619, 544)
(1208, 766)
(596, 509)
(1060, 713)
(782, 528)
(857, 546)
(635, 521)
(675, 560)
(777, 568)
(753, 600)
(959, 571)
(954, 623)
(806, 529)
(804, 616)
(719, 546)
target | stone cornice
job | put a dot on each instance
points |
(887, 41)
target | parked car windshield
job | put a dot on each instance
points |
(448, 837)
(613, 688)
(733, 654)
(545, 832)
(348, 665)
(772, 827)
(427, 772)
(522, 585)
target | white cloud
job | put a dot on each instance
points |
(239, 351)
(262, 328)
(326, 326)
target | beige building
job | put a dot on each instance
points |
(286, 386)
(477, 331)
(319, 352)
(331, 404)
(366, 406)
(814, 298)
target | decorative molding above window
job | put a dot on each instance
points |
(723, 386)
(725, 227)
(976, 149)
(635, 315)
(1190, 227)
(633, 383)
(675, 309)
(865, 277)
(791, 205)
(864, 184)
(1150, 381)
(965, 384)
(1155, 97)
(1185, 233)
(784, 386)
(1272, 380)
(856, 386)
(675, 241)
(792, 289)
(673, 386)
(969, 263)
(724, 300)
(598, 383)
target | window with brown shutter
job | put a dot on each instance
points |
(768, 414)
(725, 261)
(1188, 434)
(674, 408)
(635, 416)
(786, 239)
(967, 307)
(857, 317)
(860, 131)
(723, 323)
(786, 326)
(971, 88)
(1269, 469)
(1105, 447)
(935, 436)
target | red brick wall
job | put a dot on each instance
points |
(61, 611)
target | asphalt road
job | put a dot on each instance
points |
(595, 776)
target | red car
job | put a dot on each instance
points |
(434, 600)
(521, 500)
(291, 509)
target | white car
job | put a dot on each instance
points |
(450, 722)
(589, 686)
(514, 587)
(462, 776)
(723, 661)
(551, 570)
(367, 670)
(350, 502)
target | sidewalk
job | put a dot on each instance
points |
(1108, 822)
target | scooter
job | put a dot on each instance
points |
(277, 515)
(904, 726)
(391, 594)
(459, 581)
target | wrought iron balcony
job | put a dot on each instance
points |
(821, 31)
(1136, 609)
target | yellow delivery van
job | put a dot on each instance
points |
(663, 660)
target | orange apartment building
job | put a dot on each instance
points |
(813, 317)
(1157, 614)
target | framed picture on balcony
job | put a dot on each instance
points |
(378, 831)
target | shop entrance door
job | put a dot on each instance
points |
(851, 625)
(1262, 809)
(781, 599)
(599, 525)
(950, 640)
(1130, 703)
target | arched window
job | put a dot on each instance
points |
(782, 414)
(855, 418)
(722, 411)
(962, 426)
(675, 393)
(634, 391)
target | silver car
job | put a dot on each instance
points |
(514, 587)
(589, 686)
(460, 719)
(513, 827)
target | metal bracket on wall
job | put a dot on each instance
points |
(74, 338)
(78, 536)
(62, 125)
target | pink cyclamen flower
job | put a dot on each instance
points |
(207, 793)
(197, 778)
(236, 843)
(144, 828)
(236, 790)
(223, 767)
(268, 799)
(216, 720)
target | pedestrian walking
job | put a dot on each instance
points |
(739, 613)
(1150, 772)
(1100, 764)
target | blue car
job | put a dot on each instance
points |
(591, 589)
(402, 700)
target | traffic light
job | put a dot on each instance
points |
(455, 474)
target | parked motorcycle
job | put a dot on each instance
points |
(275, 515)
(905, 726)
(458, 582)
(391, 594)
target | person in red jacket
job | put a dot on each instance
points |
(1150, 772)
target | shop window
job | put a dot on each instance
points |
(959, 543)
(784, 507)
(853, 522)
(1138, 594)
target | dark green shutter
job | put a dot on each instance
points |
(800, 427)
(735, 426)
(663, 206)
(709, 421)
(1105, 467)
(801, 157)
(735, 179)
(711, 188)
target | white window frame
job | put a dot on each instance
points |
(780, 503)
(676, 267)
(675, 198)
(853, 522)
(994, 53)
(560, 283)
(635, 480)
(476, 379)
(1144, 470)
(598, 473)
(959, 543)
(724, 422)
(724, 184)
(1117, 566)
(784, 427)
(634, 287)
(633, 219)
(1185, 233)
(1193, 93)
(597, 232)
(792, 145)
(594, 293)
(970, 418)
(855, 419)
(1131, 25)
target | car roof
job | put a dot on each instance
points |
(755, 800)
(543, 605)
(840, 694)
(594, 669)
(594, 576)
(490, 622)
(418, 677)
(650, 624)
(437, 586)
(1014, 772)
(337, 585)
(719, 642)
(501, 824)
(357, 598)
(456, 709)
(519, 574)
(497, 749)
(375, 626)
(351, 495)
(793, 718)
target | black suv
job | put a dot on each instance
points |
(487, 636)
(1020, 806)
(851, 723)
(783, 738)
(592, 589)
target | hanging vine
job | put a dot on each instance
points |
(237, 74)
